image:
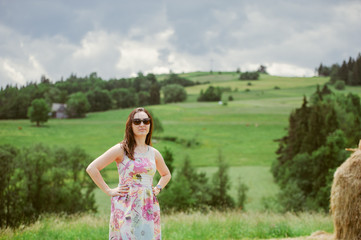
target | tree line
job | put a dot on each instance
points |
(349, 72)
(92, 93)
(313, 148)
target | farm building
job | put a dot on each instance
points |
(58, 110)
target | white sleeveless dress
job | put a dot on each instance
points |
(136, 215)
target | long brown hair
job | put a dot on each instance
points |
(128, 142)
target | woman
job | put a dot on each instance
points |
(135, 212)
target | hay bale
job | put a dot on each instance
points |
(346, 198)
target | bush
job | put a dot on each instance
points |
(241, 194)
(43, 180)
(174, 93)
(340, 85)
(249, 76)
(175, 79)
(211, 94)
(230, 98)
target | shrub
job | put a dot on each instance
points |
(175, 79)
(174, 93)
(230, 98)
(249, 76)
(211, 94)
(340, 85)
(241, 194)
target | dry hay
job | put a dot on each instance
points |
(346, 198)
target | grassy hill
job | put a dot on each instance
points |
(244, 130)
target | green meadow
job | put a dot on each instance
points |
(243, 131)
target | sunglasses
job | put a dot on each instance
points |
(137, 121)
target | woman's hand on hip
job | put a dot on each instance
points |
(156, 191)
(118, 191)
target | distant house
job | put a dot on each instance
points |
(58, 110)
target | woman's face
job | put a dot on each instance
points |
(141, 129)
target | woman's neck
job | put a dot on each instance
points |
(140, 141)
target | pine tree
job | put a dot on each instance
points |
(343, 72)
(309, 154)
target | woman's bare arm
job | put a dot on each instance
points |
(163, 171)
(115, 153)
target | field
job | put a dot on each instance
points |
(243, 131)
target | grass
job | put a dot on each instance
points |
(214, 225)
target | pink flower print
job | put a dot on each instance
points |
(141, 166)
(147, 209)
(118, 220)
(156, 217)
(112, 201)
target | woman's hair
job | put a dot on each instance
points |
(128, 142)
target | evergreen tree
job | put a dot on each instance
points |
(220, 186)
(154, 97)
(189, 190)
(343, 72)
(313, 148)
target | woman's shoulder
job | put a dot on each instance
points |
(155, 151)
(118, 151)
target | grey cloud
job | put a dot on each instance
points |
(233, 33)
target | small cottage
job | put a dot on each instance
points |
(58, 110)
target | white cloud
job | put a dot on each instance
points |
(9, 71)
(284, 69)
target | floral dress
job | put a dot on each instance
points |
(137, 214)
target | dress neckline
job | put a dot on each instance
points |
(144, 152)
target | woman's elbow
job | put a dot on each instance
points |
(89, 169)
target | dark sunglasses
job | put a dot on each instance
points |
(137, 121)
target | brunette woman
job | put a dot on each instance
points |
(135, 212)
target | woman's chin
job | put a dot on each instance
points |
(141, 133)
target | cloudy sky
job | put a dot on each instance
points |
(117, 38)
